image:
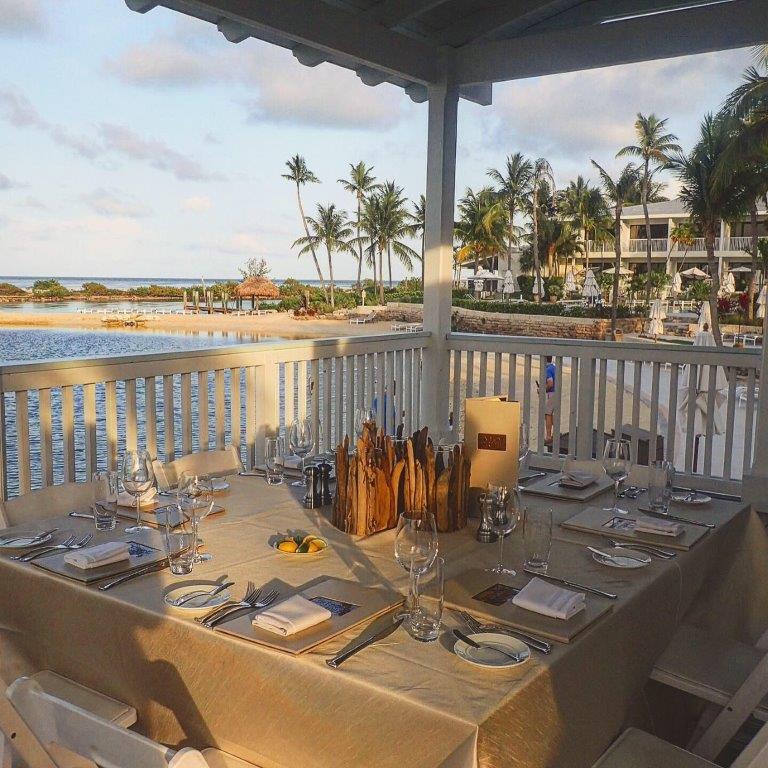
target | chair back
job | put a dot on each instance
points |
(58, 723)
(216, 463)
(53, 501)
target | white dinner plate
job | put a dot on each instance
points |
(23, 539)
(624, 558)
(488, 657)
(201, 603)
(697, 500)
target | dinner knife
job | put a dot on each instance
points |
(667, 516)
(32, 540)
(158, 566)
(573, 584)
(340, 658)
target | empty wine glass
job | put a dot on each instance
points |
(504, 515)
(616, 463)
(362, 416)
(301, 440)
(194, 493)
(138, 478)
(415, 551)
(274, 451)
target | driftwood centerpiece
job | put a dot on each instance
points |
(387, 476)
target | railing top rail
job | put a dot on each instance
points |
(610, 350)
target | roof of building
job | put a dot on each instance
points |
(667, 208)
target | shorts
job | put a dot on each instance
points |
(549, 407)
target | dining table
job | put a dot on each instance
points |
(399, 703)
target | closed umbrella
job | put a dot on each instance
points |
(570, 282)
(510, 284)
(538, 286)
(705, 317)
(677, 283)
(656, 316)
(590, 289)
(762, 299)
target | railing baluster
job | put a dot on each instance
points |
(483, 374)
(235, 412)
(131, 441)
(204, 424)
(636, 400)
(542, 404)
(350, 396)
(89, 418)
(303, 385)
(556, 425)
(46, 437)
(618, 420)
(709, 429)
(399, 398)
(654, 420)
(690, 426)
(150, 415)
(586, 411)
(341, 399)
(327, 436)
(512, 377)
(470, 374)
(169, 429)
(730, 423)
(408, 392)
(315, 395)
(110, 419)
(219, 403)
(749, 415)
(250, 416)
(457, 402)
(290, 394)
(418, 362)
(68, 433)
(370, 379)
(573, 406)
(380, 378)
(186, 413)
(497, 374)
(266, 414)
(3, 451)
(527, 394)
(22, 441)
(674, 378)
(602, 396)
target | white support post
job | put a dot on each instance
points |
(755, 478)
(438, 263)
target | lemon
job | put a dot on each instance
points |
(316, 545)
(289, 545)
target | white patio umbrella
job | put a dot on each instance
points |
(538, 286)
(705, 316)
(590, 289)
(510, 284)
(570, 282)
(762, 299)
(694, 272)
(743, 268)
(612, 271)
(729, 283)
(677, 283)
(655, 328)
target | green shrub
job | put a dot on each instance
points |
(9, 289)
(50, 288)
(554, 310)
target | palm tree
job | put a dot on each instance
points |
(361, 182)
(585, 206)
(617, 190)
(682, 234)
(419, 217)
(300, 175)
(542, 174)
(398, 224)
(481, 227)
(654, 146)
(749, 104)
(559, 240)
(708, 195)
(514, 186)
(370, 239)
(330, 229)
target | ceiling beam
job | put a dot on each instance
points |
(318, 25)
(698, 30)
(390, 13)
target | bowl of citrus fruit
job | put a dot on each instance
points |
(300, 545)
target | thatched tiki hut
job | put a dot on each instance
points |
(257, 288)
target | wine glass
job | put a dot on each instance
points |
(194, 493)
(504, 515)
(362, 416)
(415, 551)
(301, 440)
(138, 478)
(616, 463)
(523, 448)
(274, 451)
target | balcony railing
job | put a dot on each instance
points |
(658, 244)
(738, 244)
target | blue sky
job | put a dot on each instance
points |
(146, 145)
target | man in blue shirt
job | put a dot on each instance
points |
(550, 379)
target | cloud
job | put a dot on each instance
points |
(196, 204)
(115, 204)
(7, 183)
(241, 243)
(33, 202)
(156, 153)
(21, 18)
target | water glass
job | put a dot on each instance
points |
(180, 548)
(424, 624)
(537, 538)
(415, 549)
(616, 463)
(661, 479)
(138, 478)
(274, 451)
(104, 500)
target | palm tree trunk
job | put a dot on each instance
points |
(648, 256)
(714, 286)
(617, 270)
(359, 249)
(311, 247)
(536, 265)
(330, 275)
(381, 276)
(389, 263)
(586, 247)
(754, 249)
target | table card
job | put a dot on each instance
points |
(489, 596)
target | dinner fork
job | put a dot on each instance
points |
(254, 602)
(48, 550)
(250, 592)
(40, 547)
(542, 646)
(664, 554)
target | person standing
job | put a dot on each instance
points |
(550, 383)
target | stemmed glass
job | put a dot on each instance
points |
(415, 550)
(301, 441)
(616, 463)
(363, 415)
(194, 493)
(504, 515)
(138, 478)
(523, 448)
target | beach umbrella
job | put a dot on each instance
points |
(655, 328)
(510, 284)
(762, 299)
(570, 282)
(742, 269)
(612, 271)
(705, 316)
(677, 283)
(538, 286)
(694, 272)
(590, 289)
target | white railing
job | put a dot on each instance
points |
(740, 244)
(657, 244)
(699, 246)
(61, 420)
(609, 386)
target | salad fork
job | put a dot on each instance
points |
(542, 646)
(254, 601)
(79, 544)
(250, 593)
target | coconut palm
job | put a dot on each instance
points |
(360, 182)
(654, 147)
(584, 205)
(542, 176)
(481, 227)
(419, 218)
(708, 195)
(616, 191)
(559, 241)
(332, 230)
(300, 175)
(656, 191)
(398, 224)
(749, 104)
(513, 187)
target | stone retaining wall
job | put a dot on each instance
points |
(551, 326)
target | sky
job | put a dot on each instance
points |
(148, 146)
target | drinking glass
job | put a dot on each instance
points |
(415, 550)
(301, 441)
(616, 463)
(425, 626)
(138, 478)
(195, 497)
(180, 548)
(503, 507)
(363, 415)
(104, 500)
(661, 479)
(524, 445)
(537, 538)
(274, 451)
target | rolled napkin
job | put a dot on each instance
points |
(101, 554)
(577, 478)
(657, 526)
(125, 499)
(548, 599)
(291, 616)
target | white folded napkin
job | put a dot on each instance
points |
(125, 499)
(291, 616)
(548, 599)
(577, 479)
(657, 526)
(101, 554)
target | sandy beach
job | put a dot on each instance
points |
(279, 325)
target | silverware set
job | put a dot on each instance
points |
(33, 541)
(663, 554)
(475, 626)
(207, 593)
(72, 542)
(614, 559)
(677, 519)
(253, 599)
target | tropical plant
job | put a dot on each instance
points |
(682, 234)
(749, 105)
(360, 182)
(299, 174)
(513, 187)
(656, 191)
(559, 241)
(585, 207)
(709, 196)
(616, 191)
(542, 174)
(481, 227)
(330, 229)
(255, 268)
(654, 147)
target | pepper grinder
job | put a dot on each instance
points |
(325, 468)
(485, 534)
(313, 496)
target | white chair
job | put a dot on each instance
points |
(67, 730)
(53, 501)
(215, 463)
